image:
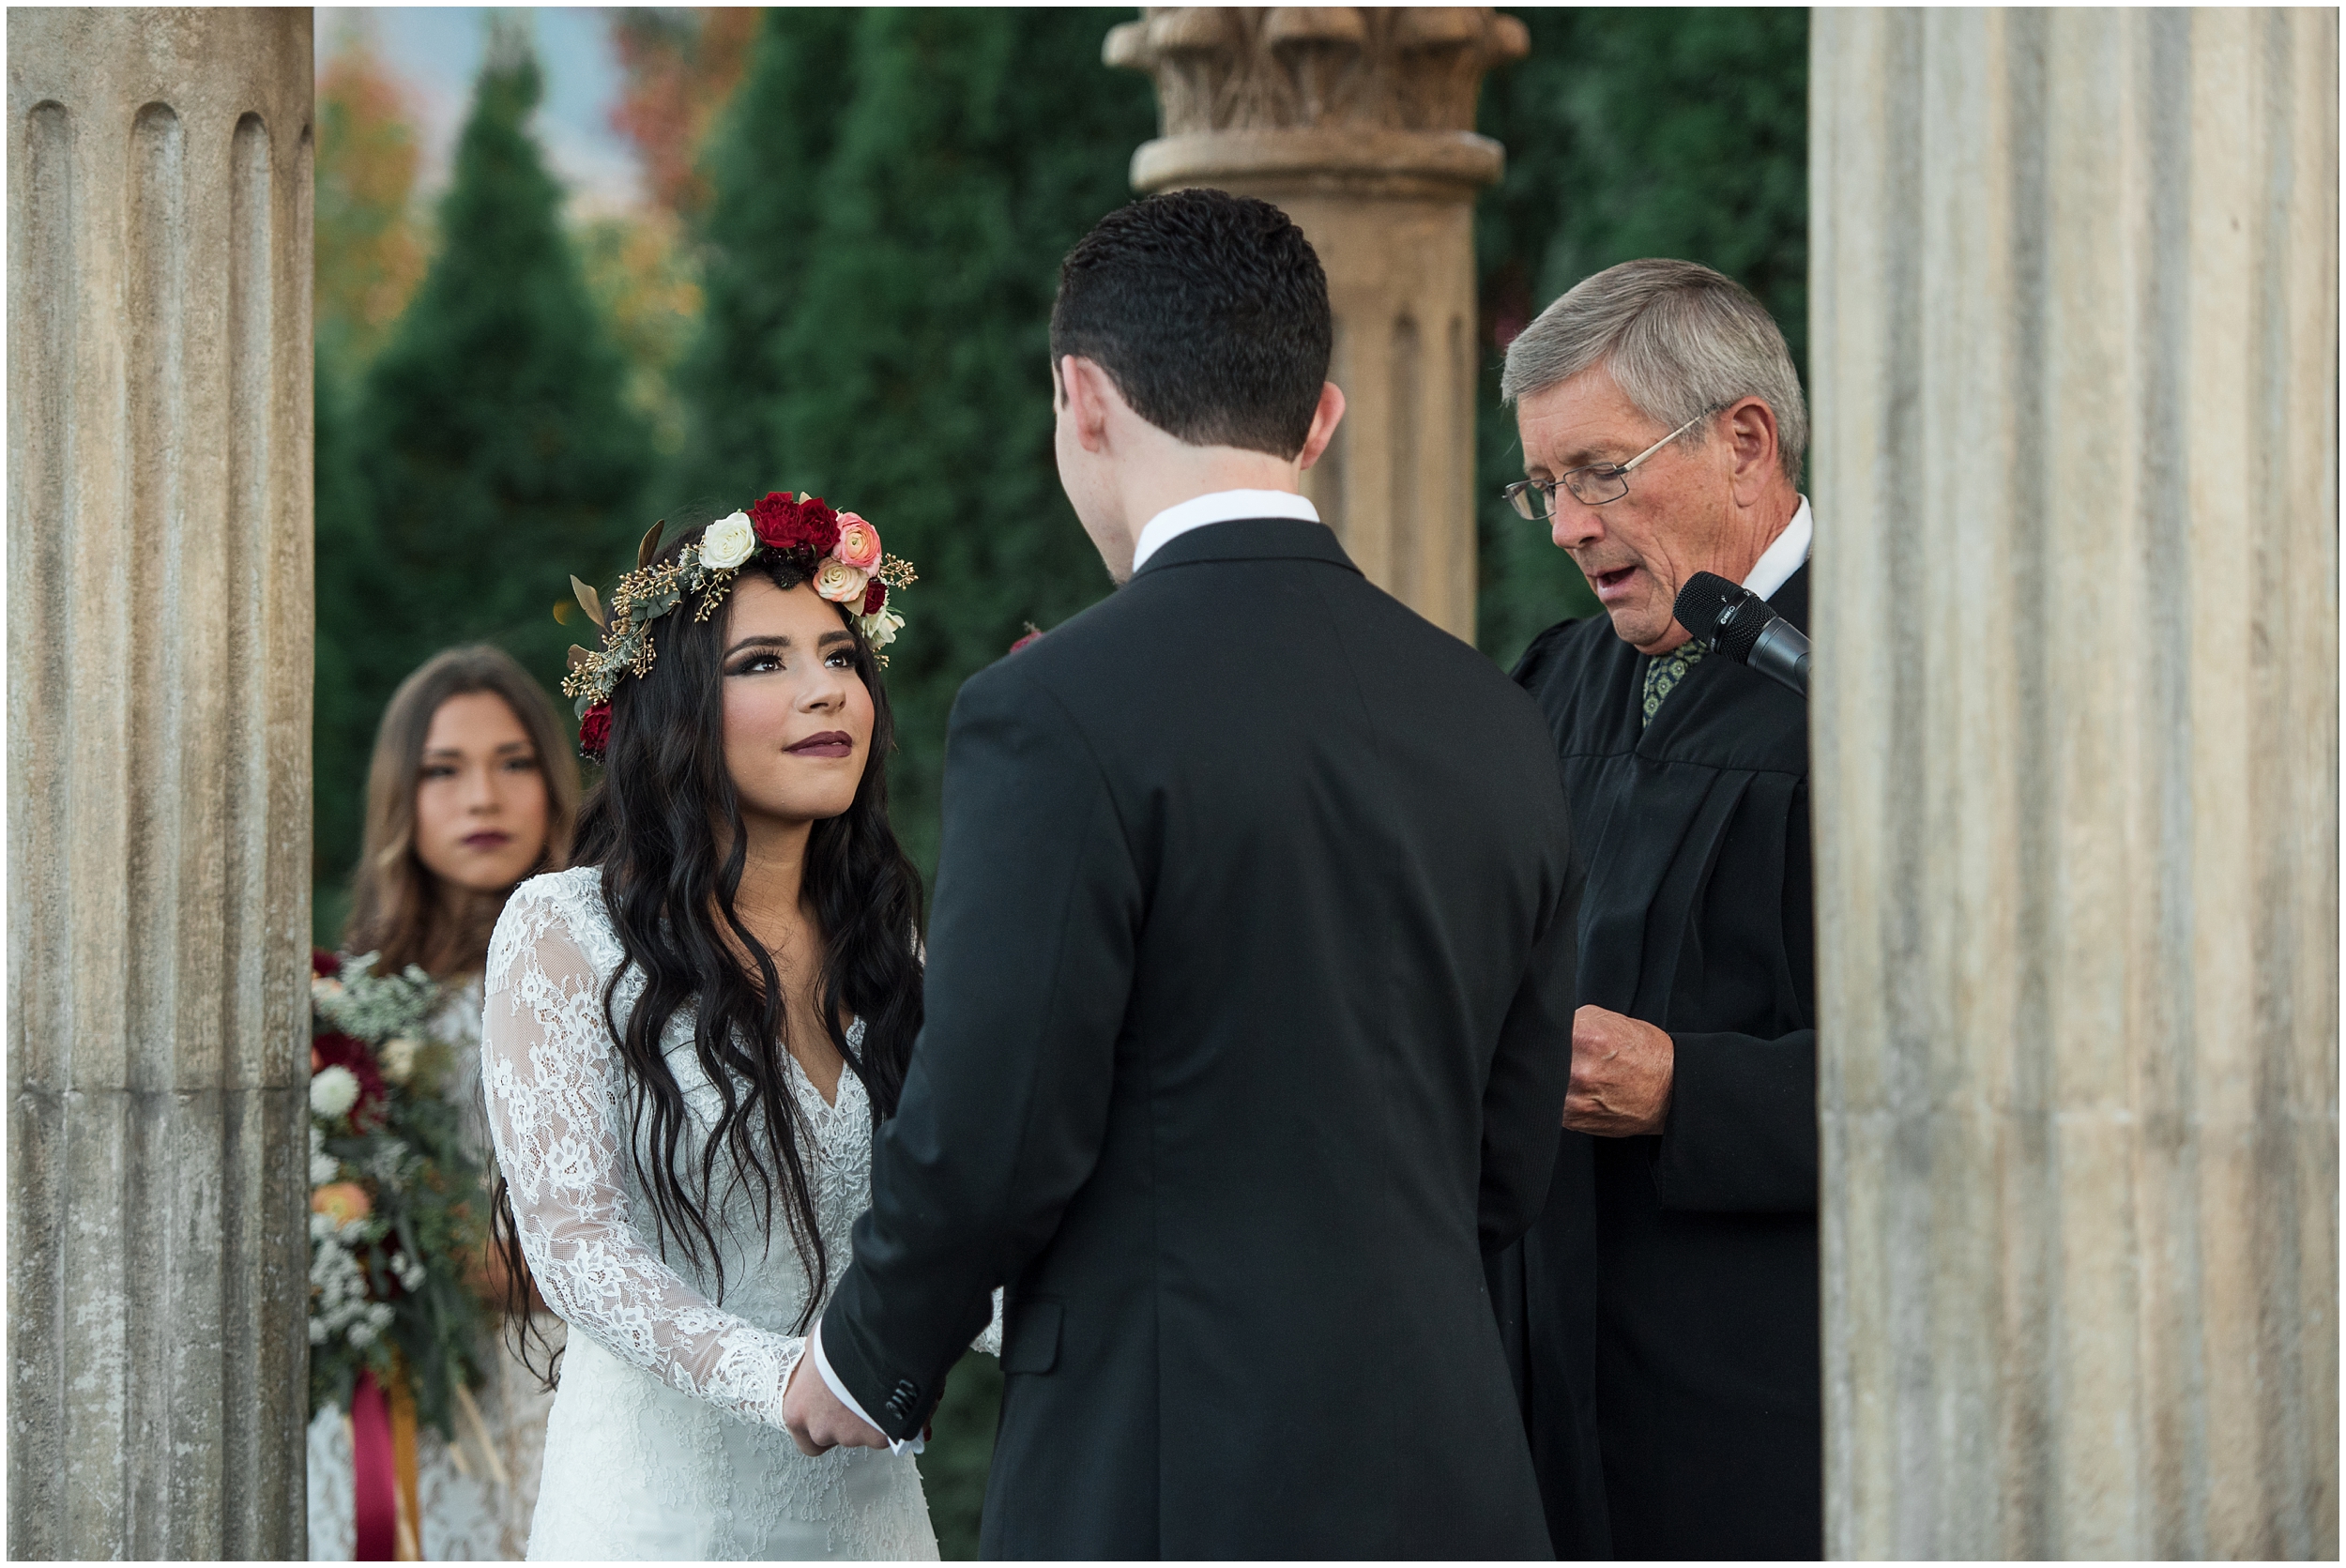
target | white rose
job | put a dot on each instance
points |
(727, 542)
(880, 629)
(333, 1091)
(840, 583)
(398, 1055)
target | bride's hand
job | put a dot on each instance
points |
(815, 1419)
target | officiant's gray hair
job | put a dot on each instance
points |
(1681, 340)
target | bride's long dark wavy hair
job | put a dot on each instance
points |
(665, 825)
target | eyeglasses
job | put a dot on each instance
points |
(1593, 486)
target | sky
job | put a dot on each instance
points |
(436, 51)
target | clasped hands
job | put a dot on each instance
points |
(1620, 1075)
(818, 1421)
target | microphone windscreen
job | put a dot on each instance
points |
(1702, 600)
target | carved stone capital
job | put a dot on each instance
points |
(1382, 94)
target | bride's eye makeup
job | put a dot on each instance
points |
(757, 655)
(755, 664)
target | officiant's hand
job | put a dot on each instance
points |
(1620, 1075)
(817, 1419)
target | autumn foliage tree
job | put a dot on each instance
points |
(370, 257)
(680, 66)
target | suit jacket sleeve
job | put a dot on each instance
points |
(1523, 1104)
(1005, 1103)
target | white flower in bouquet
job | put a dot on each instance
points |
(333, 1091)
(324, 1168)
(880, 629)
(398, 1056)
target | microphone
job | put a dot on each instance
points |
(1743, 626)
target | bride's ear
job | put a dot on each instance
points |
(1325, 418)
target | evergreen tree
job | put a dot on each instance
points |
(1629, 133)
(893, 192)
(491, 453)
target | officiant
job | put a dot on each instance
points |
(1663, 1315)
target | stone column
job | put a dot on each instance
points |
(1360, 123)
(159, 630)
(2075, 352)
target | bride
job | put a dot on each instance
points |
(689, 1037)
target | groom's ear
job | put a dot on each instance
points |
(1325, 418)
(1089, 394)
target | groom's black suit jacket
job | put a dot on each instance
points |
(1250, 991)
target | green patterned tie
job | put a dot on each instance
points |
(1664, 671)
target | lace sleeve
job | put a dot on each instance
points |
(555, 1113)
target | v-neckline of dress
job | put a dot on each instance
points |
(839, 1090)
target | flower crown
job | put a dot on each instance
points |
(839, 552)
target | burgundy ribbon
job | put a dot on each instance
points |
(375, 1472)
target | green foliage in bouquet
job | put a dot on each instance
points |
(397, 1208)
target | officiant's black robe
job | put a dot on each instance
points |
(1665, 1305)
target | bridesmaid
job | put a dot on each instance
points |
(472, 789)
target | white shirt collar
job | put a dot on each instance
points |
(1220, 506)
(1787, 554)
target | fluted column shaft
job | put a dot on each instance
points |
(2075, 352)
(159, 626)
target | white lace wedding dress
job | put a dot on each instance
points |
(666, 1437)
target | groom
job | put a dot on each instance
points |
(1250, 988)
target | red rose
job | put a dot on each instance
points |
(784, 523)
(323, 964)
(340, 1050)
(873, 596)
(594, 730)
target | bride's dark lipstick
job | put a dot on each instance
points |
(831, 742)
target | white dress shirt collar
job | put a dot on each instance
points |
(1787, 554)
(1220, 506)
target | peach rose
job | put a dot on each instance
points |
(342, 1202)
(858, 543)
(840, 583)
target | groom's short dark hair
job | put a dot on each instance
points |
(1208, 312)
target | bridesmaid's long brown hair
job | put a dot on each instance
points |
(398, 907)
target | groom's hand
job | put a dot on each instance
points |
(817, 1421)
(1620, 1075)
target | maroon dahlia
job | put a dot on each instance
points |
(784, 523)
(594, 730)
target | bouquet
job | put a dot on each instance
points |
(397, 1210)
